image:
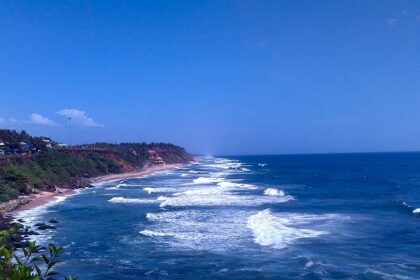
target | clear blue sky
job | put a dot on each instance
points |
(218, 77)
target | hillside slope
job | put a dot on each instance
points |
(70, 167)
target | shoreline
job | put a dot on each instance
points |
(142, 172)
(43, 198)
(32, 201)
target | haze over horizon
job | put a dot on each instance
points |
(231, 77)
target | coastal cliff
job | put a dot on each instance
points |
(40, 165)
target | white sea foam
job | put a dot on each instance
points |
(120, 199)
(220, 175)
(32, 215)
(220, 192)
(309, 264)
(121, 185)
(221, 229)
(235, 186)
(274, 192)
(281, 230)
(416, 211)
(198, 229)
(99, 184)
(152, 233)
(262, 164)
(36, 215)
(218, 197)
(151, 190)
(223, 164)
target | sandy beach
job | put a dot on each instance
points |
(45, 197)
(142, 172)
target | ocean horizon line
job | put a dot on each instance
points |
(314, 153)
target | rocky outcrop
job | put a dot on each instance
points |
(14, 204)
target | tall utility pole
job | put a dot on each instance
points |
(69, 118)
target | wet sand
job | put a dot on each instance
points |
(45, 197)
(146, 171)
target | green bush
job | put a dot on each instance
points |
(32, 264)
(7, 193)
(6, 236)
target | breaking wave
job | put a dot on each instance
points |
(121, 185)
(274, 192)
(280, 230)
(151, 190)
(120, 199)
(224, 194)
(198, 229)
(152, 233)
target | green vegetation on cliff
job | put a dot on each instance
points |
(23, 175)
(141, 154)
(70, 166)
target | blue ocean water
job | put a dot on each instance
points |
(341, 216)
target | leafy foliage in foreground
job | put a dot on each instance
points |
(10, 235)
(32, 264)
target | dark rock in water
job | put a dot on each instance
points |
(17, 245)
(20, 220)
(53, 221)
(26, 230)
(45, 226)
(16, 225)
